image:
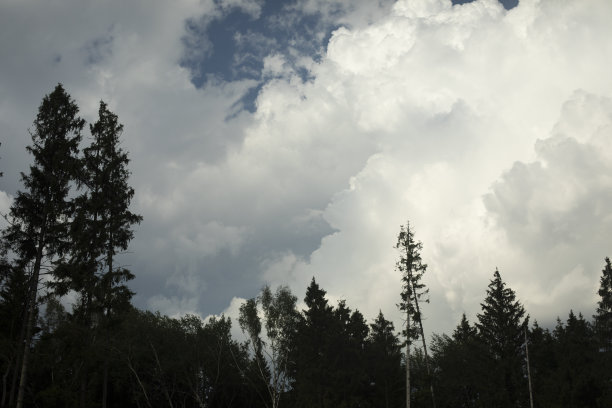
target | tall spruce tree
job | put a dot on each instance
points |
(413, 293)
(39, 216)
(102, 226)
(103, 211)
(501, 327)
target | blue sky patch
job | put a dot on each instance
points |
(233, 46)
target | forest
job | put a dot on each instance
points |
(71, 220)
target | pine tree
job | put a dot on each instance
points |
(412, 268)
(501, 327)
(39, 215)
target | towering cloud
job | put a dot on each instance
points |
(485, 127)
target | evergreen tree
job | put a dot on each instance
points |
(544, 365)
(346, 362)
(576, 355)
(38, 229)
(458, 362)
(102, 226)
(311, 352)
(384, 363)
(412, 268)
(501, 327)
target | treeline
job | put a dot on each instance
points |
(71, 220)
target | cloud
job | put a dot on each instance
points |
(486, 128)
(453, 101)
(555, 210)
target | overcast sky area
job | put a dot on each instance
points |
(273, 141)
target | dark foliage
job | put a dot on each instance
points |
(105, 353)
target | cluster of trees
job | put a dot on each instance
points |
(65, 229)
(72, 219)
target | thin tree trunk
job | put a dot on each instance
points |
(163, 383)
(142, 387)
(431, 387)
(30, 319)
(528, 369)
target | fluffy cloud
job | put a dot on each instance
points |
(459, 106)
(485, 128)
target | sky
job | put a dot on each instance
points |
(276, 141)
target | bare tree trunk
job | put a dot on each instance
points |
(528, 369)
(142, 387)
(418, 310)
(163, 383)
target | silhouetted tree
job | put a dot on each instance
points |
(39, 216)
(458, 361)
(603, 330)
(576, 354)
(384, 364)
(346, 361)
(501, 327)
(280, 321)
(412, 268)
(101, 227)
(311, 353)
(544, 365)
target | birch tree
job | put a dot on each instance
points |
(280, 317)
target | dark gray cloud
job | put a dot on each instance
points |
(361, 115)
